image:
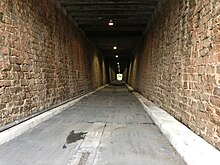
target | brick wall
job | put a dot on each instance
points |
(44, 59)
(112, 75)
(177, 65)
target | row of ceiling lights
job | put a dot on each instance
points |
(115, 47)
(118, 64)
(111, 23)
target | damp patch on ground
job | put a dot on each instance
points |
(74, 137)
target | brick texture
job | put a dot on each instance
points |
(44, 59)
(177, 64)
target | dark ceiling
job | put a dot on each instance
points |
(130, 18)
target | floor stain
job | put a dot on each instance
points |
(73, 137)
(64, 146)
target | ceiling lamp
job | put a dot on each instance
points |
(110, 23)
(116, 56)
(115, 47)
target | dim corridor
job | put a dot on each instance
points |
(108, 127)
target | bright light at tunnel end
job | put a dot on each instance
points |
(119, 77)
(110, 23)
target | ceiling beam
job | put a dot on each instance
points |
(122, 18)
(109, 14)
(105, 2)
(111, 8)
(118, 52)
(108, 29)
(95, 34)
(117, 24)
(115, 17)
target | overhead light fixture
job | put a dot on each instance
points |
(110, 23)
(115, 47)
(116, 56)
(118, 63)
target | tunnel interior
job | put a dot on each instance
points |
(54, 51)
(129, 19)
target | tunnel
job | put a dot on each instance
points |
(114, 81)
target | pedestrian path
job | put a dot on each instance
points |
(109, 127)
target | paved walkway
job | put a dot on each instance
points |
(108, 127)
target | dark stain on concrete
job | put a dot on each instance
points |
(64, 146)
(73, 137)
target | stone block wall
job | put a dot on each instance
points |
(177, 65)
(44, 59)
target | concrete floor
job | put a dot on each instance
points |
(108, 127)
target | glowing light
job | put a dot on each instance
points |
(115, 47)
(116, 56)
(110, 23)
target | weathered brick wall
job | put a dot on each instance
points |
(112, 75)
(178, 64)
(133, 71)
(125, 73)
(44, 59)
(98, 71)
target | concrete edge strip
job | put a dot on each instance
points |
(19, 129)
(191, 147)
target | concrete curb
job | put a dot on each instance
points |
(193, 149)
(19, 129)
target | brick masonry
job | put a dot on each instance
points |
(177, 65)
(44, 59)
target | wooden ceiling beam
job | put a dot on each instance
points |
(110, 8)
(109, 13)
(83, 20)
(98, 34)
(107, 29)
(116, 23)
(105, 2)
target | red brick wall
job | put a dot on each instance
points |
(178, 64)
(44, 59)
